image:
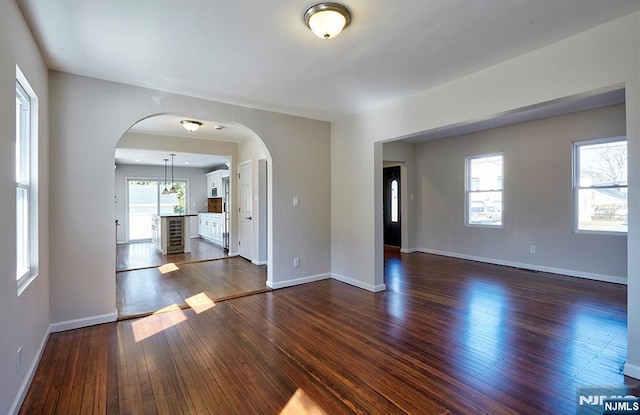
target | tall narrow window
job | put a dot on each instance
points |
(26, 175)
(600, 185)
(394, 201)
(484, 183)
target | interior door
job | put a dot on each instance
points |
(392, 208)
(245, 209)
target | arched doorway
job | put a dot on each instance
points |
(203, 167)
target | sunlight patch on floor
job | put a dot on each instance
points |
(167, 268)
(157, 322)
(200, 302)
(301, 404)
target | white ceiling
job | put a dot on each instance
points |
(169, 125)
(259, 53)
(156, 158)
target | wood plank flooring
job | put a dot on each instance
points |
(173, 286)
(447, 337)
(142, 255)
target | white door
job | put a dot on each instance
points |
(245, 237)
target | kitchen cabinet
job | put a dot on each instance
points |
(214, 184)
(214, 181)
(211, 227)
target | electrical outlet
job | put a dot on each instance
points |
(532, 249)
(18, 359)
(296, 201)
(296, 262)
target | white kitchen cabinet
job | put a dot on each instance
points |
(211, 227)
(214, 181)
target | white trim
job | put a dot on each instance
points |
(233, 254)
(298, 281)
(632, 371)
(359, 284)
(83, 322)
(408, 250)
(26, 383)
(259, 262)
(561, 271)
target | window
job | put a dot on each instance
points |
(600, 185)
(394, 201)
(484, 190)
(26, 178)
(145, 199)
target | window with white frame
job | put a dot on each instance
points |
(26, 176)
(600, 185)
(484, 178)
(146, 197)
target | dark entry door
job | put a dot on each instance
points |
(392, 216)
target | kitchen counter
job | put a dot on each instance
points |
(170, 233)
(177, 216)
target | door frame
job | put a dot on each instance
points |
(252, 225)
(395, 175)
(405, 198)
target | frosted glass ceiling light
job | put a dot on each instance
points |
(327, 20)
(191, 125)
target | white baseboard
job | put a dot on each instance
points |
(26, 383)
(83, 322)
(259, 262)
(233, 253)
(572, 273)
(632, 371)
(408, 250)
(297, 281)
(359, 284)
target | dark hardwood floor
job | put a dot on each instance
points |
(172, 286)
(447, 337)
(140, 255)
(148, 282)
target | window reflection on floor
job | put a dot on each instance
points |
(485, 339)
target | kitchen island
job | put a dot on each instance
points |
(170, 233)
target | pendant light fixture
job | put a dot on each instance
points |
(173, 189)
(165, 191)
(326, 20)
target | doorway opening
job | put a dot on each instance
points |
(392, 209)
(207, 265)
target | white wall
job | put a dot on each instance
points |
(538, 204)
(601, 57)
(83, 143)
(24, 319)
(197, 194)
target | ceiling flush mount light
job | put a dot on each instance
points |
(327, 20)
(191, 125)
